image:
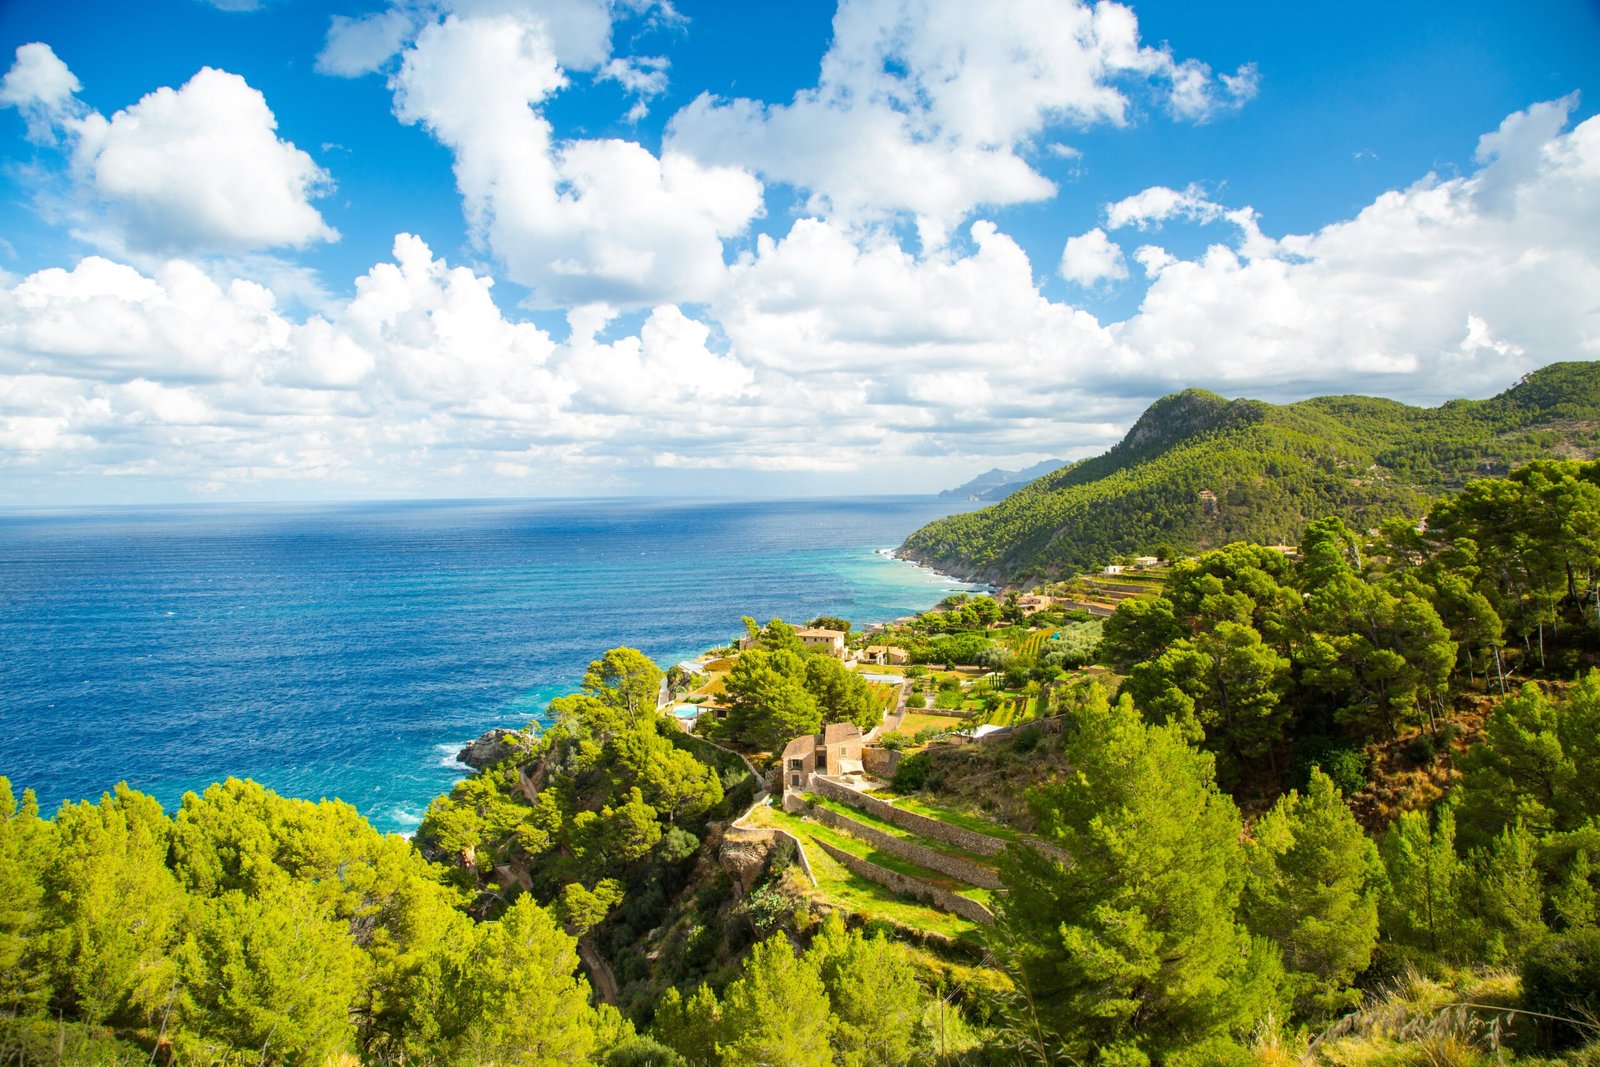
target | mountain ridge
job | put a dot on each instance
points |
(997, 483)
(1197, 470)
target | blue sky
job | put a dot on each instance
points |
(526, 247)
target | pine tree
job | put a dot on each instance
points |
(113, 911)
(776, 1012)
(271, 974)
(1420, 906)
(1509, 901)
(1313, 889)
(1133, 942)
(1535, 761)
(26, 842)
(627, 680)
(515, 998)
(873, 989)
(690, 1028)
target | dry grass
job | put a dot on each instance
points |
(1417, 1021)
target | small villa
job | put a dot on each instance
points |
(829, 641)
(1033, 603)
(835, 751)
(885, 656)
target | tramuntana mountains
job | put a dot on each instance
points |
(1199, 471)
(998, 483)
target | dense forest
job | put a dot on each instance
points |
(1198, 471)
(1223, 872)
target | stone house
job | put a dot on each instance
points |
(836, 750)
(829, 641)
(1031, 603)
(885, 655)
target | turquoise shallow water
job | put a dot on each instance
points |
(349, 650)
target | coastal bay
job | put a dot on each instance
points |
(350, 650)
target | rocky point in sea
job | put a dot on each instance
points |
(492, 747)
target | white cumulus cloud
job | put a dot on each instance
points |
(202, 168)
(40, 86)
(828, 348)
(931, 108)
(1092, 257)
(579, 221)
(578, 31)
(198, 169)
(1377, 303)
(1155, 205)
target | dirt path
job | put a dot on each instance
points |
(600, 976)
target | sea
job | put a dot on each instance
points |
(350, 650)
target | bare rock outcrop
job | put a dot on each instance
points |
(496, 745)
(744, 855)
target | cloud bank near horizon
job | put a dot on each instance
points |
(893, 326)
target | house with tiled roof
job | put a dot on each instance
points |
(835, 751)
(829, 641)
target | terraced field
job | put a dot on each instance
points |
(850, 892)
(880, 869)
(868, 819)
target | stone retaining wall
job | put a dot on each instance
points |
(1099, 611)
(943, 832)
(910, 851)
(942, 899)
(880, 762)
(799, 853)
(1128, 587)
(764, 833)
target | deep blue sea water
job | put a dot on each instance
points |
(350, 650)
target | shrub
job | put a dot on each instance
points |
(768, 907)
(1025, 741)
(1561, 976)
(916, 701)
(780, 859)
(677, 845)
(912, 774)
(1348, 769)
(1420, 749)
(643, 1052)
(1340, 761)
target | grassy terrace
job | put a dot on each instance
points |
(861, 897)
(954, 818)
(867, 819)
(804, 828)
(921, 720)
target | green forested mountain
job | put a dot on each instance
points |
(1198, 471)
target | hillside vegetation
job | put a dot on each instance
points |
(1198, 471)
(1193, 871)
